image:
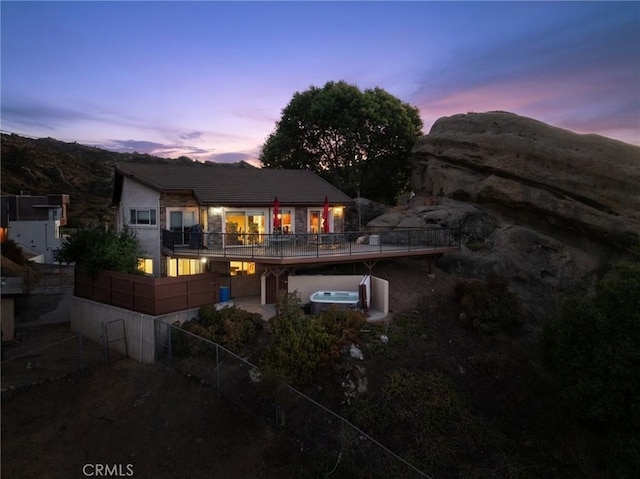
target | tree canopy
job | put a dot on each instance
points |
(95, 250)
(358, 141)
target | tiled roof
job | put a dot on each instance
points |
(228, 185)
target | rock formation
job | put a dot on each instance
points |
(549, 208)
(534, 172)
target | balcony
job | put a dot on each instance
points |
(301, 248)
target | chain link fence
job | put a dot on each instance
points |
(342, 450)
(47, 353)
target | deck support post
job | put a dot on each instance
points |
(369, 265)
(277, 272)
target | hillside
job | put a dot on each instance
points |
(48, 166)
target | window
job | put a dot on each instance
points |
(316, 221)
(145, 265)
(184, 267)
(142, 217)
(244, 227)
(285, 218)
(181, 222)
(241, 267)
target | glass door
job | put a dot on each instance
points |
(244, 227)
(315, 221)
(181, 222)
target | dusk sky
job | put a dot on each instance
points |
(209, 79)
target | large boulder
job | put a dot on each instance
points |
(361, 212)
(550, 209)
(529, 172)
(472, 223)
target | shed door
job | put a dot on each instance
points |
(270, 284)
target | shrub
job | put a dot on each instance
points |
(592, 346)
(230, 326)
(488, 306)
(303, 346)
(423, 415)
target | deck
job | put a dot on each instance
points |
(309, 248)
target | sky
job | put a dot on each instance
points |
(209, 79)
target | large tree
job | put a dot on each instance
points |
(358, 141)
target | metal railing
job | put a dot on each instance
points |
(256, 245)
(339, 445)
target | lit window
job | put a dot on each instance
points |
(184, 267)
(241, 267)
(142, 216)
(145, 265)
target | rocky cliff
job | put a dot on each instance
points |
(547, 207)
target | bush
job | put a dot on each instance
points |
(303, 346)
(422, 416)
(488, 306)
(230, 326)
(592, 346)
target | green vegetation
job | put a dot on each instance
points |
(303, 346)
(592, 346)
(488, 306)
(478, 245)
(424, 415)
(229, 326)
(95, 250)
(358, 141)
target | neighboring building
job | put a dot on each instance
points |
(10, 288)
(232, 205)
(34, 223)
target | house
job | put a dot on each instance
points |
(229, 205)
(257, 229)
(34, 223)
(254, 226)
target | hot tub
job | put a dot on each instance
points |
(323, 300)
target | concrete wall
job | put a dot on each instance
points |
(88, 318)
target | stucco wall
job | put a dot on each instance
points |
(135, 195)
(39, 236)
(380, 294)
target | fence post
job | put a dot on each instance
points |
(169, 345)
(81, 352)
(218, 367)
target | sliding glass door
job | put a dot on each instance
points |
(181, 222)
(244, 227)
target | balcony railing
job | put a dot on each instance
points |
(258, 245)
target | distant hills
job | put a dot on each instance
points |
(48, 166)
